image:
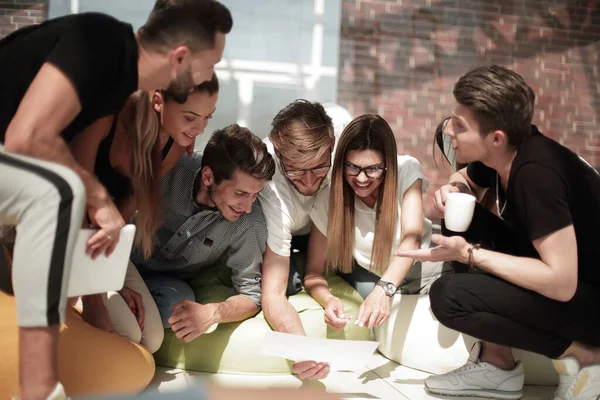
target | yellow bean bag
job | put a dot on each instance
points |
(91, 362)
(235, 347)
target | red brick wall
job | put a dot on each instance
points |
(15, 14)
(401, 58)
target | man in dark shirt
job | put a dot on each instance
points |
(56, 79)
(537, 257)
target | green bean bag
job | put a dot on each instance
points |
(234, 348)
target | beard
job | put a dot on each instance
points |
(179, 88)
(305, 193)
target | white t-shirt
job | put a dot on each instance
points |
(409, 170)
(286, 210)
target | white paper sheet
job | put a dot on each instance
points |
(340, 354)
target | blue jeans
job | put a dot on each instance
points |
(167, 290)
(294, 286)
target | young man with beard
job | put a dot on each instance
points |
(211, 216)
(56, 79)
(302, 141)
(534, 282)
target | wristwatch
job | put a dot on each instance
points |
(388, 287)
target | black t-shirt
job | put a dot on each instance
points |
(549, 188)
(96, 52)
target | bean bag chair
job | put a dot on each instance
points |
(414, 338)
(235, 347)
(91, 362)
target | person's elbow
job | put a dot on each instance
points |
(566, 291)
(272, 299)
(254, 305)
(564, 287)
(311, 277)
(27, 141)
(19, 141)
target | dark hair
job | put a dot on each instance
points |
(211, 87)
(500, 100)
(301, 130)
(235, 147)
(191, 23)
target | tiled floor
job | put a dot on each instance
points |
(381, 379)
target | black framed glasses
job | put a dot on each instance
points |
(299, 173)
(371, 171)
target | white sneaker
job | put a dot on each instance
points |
(479, 379)
(57, 394)
(576, 383)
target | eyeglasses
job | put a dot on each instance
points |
(371, 171)
(299, 173)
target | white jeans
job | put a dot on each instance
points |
(125, 322)
(46, 202)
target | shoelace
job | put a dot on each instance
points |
(564, 384)
(470, 364)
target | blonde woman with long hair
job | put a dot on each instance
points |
(134, 150)
(374, 206)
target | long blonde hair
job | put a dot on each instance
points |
(143, 135)
(367, 132)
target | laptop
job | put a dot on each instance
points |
(104, 274)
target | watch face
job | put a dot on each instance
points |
(389, 287)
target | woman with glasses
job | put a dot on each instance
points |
(374, 207)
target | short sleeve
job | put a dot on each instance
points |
(276, 208)
(90, 56)
(320, 211)
(541, 202)
(409, 171)
(481, 175)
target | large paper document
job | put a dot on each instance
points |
(340, 354)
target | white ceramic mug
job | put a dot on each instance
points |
(458, 211)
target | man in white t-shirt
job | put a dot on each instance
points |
(302, 140)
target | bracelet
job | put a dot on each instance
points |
(474, 247)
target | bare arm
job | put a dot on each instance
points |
(375, 310)
(190, 319)
(554, 276)
(279, 312)
(411, 228)
(48, 107)
(314, 280)
(236, 308)
(84, 148)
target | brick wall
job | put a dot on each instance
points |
(15, 14)
(401, 58)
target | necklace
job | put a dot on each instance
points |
(498, 198)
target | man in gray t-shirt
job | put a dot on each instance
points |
(210, 217)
